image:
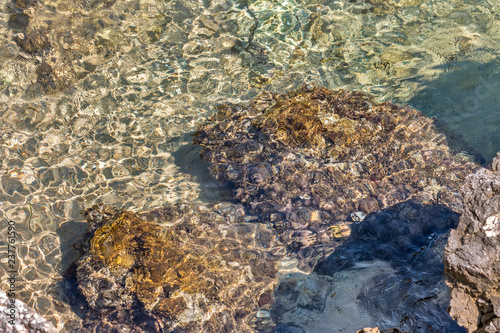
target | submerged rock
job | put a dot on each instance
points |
(309, 164)
(472, 256)
(196, 271)
(315, 160)
(66, 40)
(388, 274)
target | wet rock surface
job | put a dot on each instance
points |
(389, 274)
(472, 257)
(178, 269)
(313, 161)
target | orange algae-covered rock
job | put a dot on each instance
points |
(141, 275)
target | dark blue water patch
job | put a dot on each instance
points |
(187, 158)
(407, 233)
(464, 99)
(388, 274)
(66, 289)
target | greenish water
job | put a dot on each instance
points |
(103, 111)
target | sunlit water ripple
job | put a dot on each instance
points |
(103, 107)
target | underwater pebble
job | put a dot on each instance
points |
(358, 216)
(263, 314)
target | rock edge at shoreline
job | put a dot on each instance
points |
(472, 255)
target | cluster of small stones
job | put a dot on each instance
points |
(182, 269)
(472, 255)
(66, 40)
(18, 317)
(313, 161)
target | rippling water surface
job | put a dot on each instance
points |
(98, 99)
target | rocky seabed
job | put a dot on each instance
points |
(342, 210)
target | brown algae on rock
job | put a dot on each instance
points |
(311, 158)
(308, 163)
(201, 272)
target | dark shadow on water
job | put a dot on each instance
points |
(388, 274)
(67, 288)
(69, 232)
(465, 100)
(187, 158)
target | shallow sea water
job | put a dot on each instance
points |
(106, 112)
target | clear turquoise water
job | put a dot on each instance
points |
(149, 72)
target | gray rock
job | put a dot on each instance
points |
(472, 255)
(25, 319)
(495, 165)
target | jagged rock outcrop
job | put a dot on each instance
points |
(176, 269)
(472, 256)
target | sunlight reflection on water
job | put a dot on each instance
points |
(98, 99)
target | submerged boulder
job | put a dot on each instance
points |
(67, 39)
(316, 160)
(472, 255)
(191, 270)
(308, 164)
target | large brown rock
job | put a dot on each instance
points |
(314, 160)
(472, 257)
(181, 268)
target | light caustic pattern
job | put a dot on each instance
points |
(98, 99)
